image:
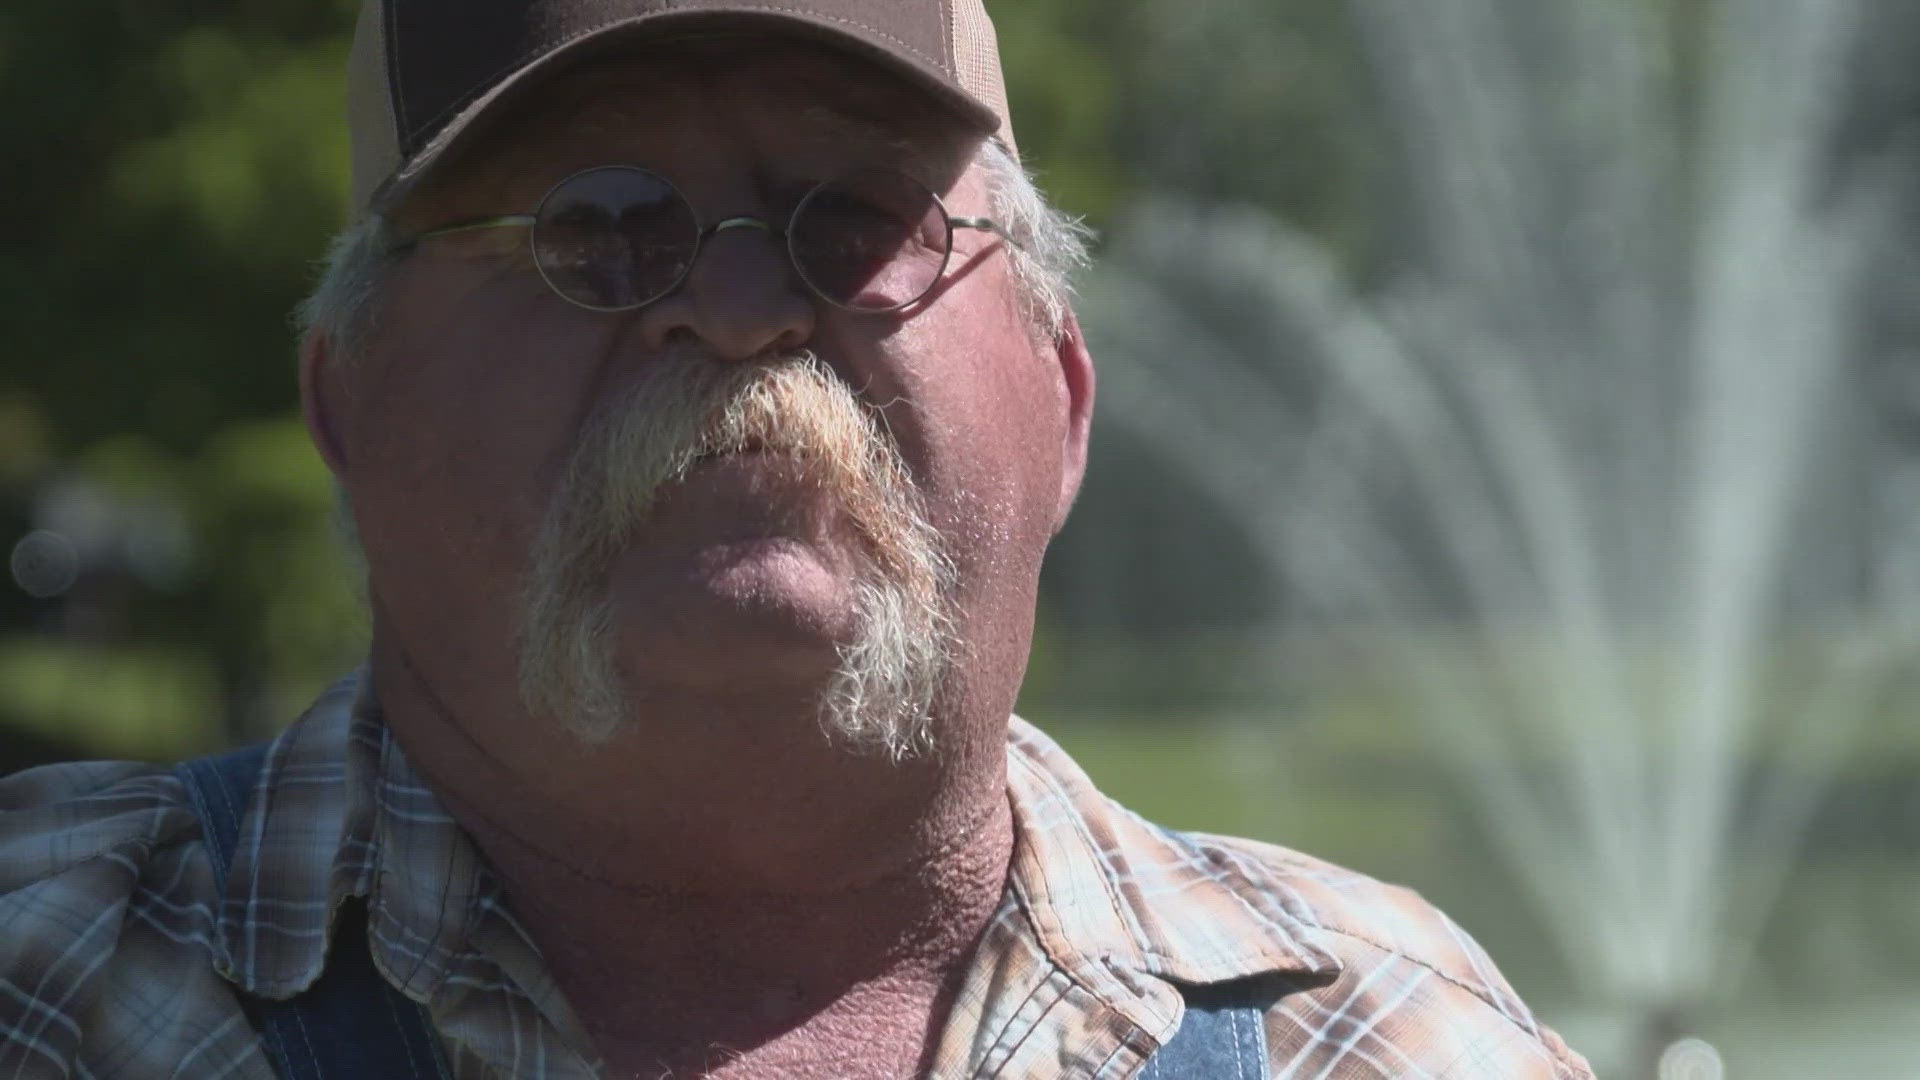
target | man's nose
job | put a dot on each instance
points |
(741, 299)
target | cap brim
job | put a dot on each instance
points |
(472, 122)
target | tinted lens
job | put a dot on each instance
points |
(872, 241)
(614, 237)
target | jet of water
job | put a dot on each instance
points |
(1577, 464)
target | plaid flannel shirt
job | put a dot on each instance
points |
(120, 953)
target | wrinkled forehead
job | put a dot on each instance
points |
(821, 98)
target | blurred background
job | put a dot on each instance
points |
(1506, 482)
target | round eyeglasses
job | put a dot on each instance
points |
(618, 237)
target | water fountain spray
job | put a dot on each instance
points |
(1585, 462)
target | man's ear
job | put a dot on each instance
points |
(1076, 365)
(324, 400)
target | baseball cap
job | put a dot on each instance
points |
(424, 75)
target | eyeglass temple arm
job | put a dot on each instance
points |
(501, 222)
(989, 225)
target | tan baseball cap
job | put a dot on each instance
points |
(422, 72)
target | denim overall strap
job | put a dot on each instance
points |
(1223, 1036)
(351, 1024)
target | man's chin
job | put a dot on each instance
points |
(769, 603)
(745, 665)
(778, 625)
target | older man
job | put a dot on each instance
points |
(701, 384)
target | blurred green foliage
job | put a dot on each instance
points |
(174, 171)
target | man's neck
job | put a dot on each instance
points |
(848, 982)
(679, 954)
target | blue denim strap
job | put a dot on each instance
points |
(1223, 1036)
(351, 1024)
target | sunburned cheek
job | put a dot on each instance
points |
(990, 461)
(453, 486)
(482, 424)
(444, 527)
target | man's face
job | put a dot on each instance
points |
(534, 482)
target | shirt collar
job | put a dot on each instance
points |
(338, 814)
(1130, 908)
